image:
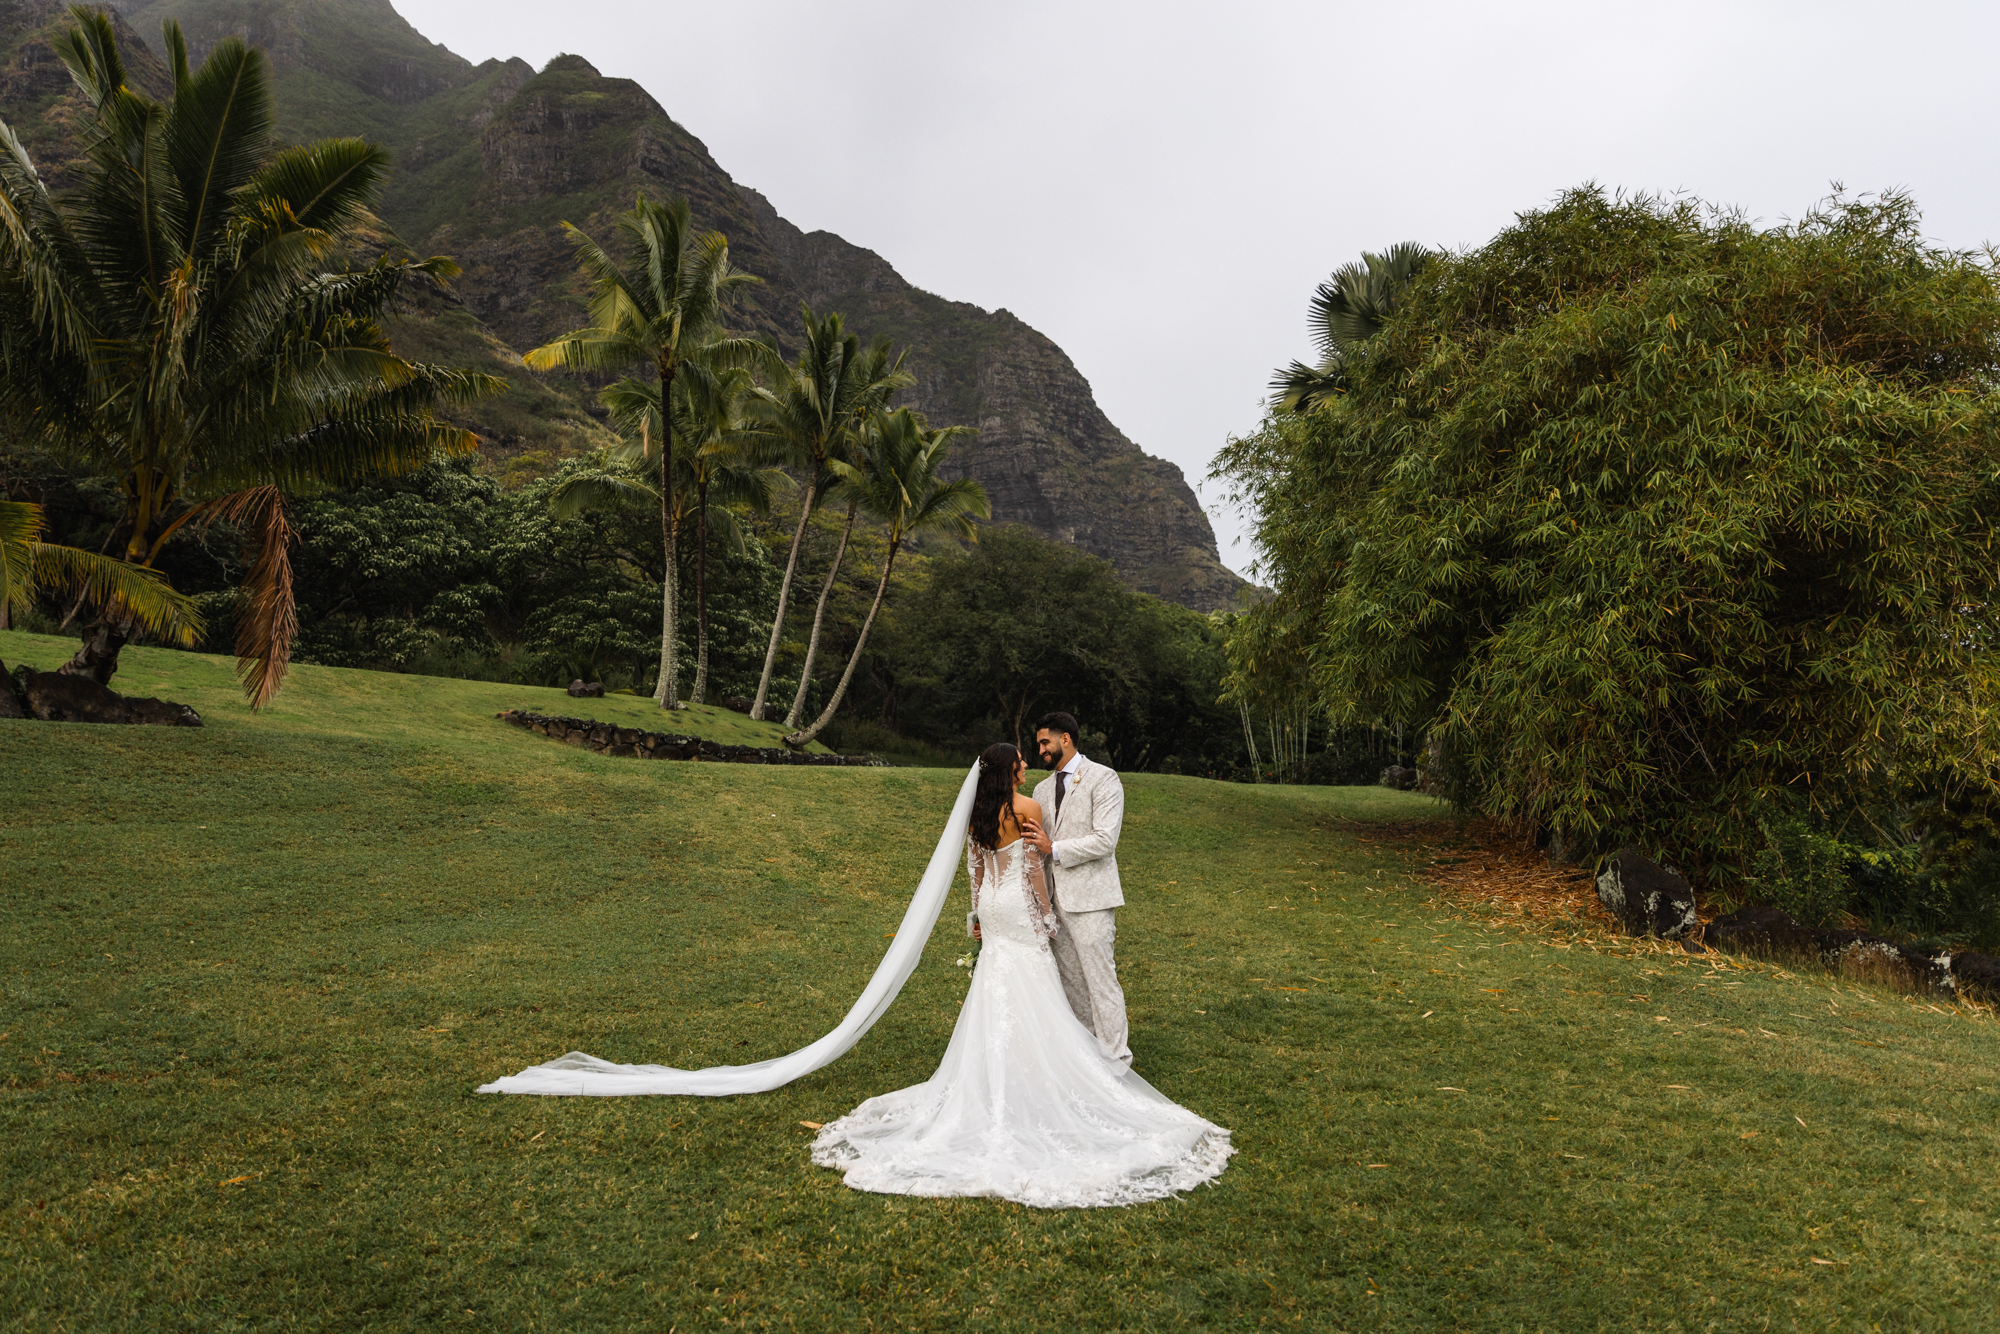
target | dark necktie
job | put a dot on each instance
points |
(1048, 867)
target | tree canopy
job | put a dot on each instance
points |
(183, 322)
(1652, 517)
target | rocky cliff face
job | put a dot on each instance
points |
(1046, 453)
(37, 98)
(492, 158)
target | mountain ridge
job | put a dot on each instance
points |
(492, 157)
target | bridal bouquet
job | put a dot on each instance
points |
(971, 955)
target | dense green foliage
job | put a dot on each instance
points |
(180, 322)
(448, 571)
(1648, 516)
(1018, 625)
(257, 1111)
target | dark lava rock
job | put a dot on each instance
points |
(1772, 934)
(587, 689)
(737, 703)
(55, 698)
(1978, 976)
(10, 703)
(160, 713)
(1648, 898)
(1759, 930)
(1400, 777)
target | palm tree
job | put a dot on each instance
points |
(174, 324)
(819, 402)
(28, 565)
(720, 465)
(1348, 309)
(898, 486)
(850, 451)
(661, 309)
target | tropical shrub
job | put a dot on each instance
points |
(1646, 515)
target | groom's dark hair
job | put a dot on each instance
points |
(1059, 722)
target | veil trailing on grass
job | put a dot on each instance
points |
(579, 1075)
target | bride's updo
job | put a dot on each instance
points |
(995, 792)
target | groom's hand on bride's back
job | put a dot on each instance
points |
(1032, 831)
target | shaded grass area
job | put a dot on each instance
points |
(251, 974)
(367, 706)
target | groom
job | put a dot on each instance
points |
(1080, 841)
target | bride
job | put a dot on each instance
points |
(1026, 1105)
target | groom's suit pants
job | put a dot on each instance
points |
(1090, 978)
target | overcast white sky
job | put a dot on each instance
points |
(1159, 186)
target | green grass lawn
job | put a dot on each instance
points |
(250, 975)
(327, 701)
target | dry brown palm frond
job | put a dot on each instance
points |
(268, 620)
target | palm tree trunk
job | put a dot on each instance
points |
(784, 597)
(666, 693)
(700, 694)
(106, 634)
(103, 639)
(806, 737)
(819, 617)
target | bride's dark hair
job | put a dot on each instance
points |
(994, 793)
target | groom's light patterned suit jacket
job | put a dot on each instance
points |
(1086, 836)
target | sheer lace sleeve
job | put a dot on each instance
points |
(975, 868)
(1035, 872)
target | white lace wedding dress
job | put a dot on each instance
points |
(1025, 1106)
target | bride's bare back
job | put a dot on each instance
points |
(1024, 810)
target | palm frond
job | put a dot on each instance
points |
(140, 593)
(90, 50)
(29, 566)
(619, 305)
(20, 531)
(587, 350)
(326, 185)
(217, 133)
(1301, 388)
(600, 489)
(1352, 306)
(267, 618)
(951, 508)
(39, 254)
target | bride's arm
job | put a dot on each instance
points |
(1036, 866)
(1038, 883)
(975, 867)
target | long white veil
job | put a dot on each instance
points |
(579, 1075)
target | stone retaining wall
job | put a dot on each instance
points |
(611, 739)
